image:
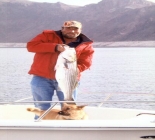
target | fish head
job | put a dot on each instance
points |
(69, 55)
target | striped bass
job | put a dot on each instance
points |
(66, 72)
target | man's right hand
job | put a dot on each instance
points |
(60, 47)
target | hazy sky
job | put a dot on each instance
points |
(73, 2)
(152, 0)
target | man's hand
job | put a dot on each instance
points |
(60, 47)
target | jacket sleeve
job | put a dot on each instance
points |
(85, 59)
(43, 43)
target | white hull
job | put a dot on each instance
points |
(103, 124)
(97, 134)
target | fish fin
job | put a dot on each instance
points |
(76, 84)
(59, 89)
(56, 67)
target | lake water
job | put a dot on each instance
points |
(123, 74)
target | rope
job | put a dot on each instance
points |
(23, 99)
(105, 100)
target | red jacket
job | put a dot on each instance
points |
(43, 45)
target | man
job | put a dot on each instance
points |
(47, 46)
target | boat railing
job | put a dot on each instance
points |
(88, 102)
(53, 103)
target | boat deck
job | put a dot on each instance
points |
(103, 124)
(19, 112)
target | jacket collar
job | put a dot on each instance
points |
(81, 37)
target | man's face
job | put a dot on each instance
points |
(70, 32)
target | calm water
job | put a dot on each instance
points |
(126, 74)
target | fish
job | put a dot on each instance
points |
(67, 72)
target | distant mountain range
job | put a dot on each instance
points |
(107, 21)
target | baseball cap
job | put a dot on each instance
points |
(72, 23)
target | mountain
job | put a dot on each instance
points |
(108, 20)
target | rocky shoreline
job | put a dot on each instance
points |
(125, 44)
(12, 45)
(95, 44)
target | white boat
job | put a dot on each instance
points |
(103, 124)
